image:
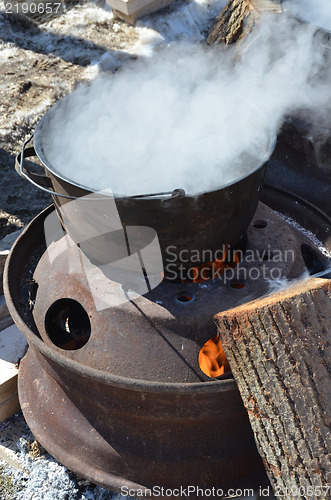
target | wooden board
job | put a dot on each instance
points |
(12, 348)
(3, 257)
(10, 406)
(131, 10)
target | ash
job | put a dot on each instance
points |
(41, 476)
(38, 476)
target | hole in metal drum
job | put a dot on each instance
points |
(184, 298)
(260, 223)
(237, 285)
(67, 324)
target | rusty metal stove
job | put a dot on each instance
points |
(118, 395)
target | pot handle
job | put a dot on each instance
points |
(40, 181)
(45, 184)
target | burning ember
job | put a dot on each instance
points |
(212, 359)
(210, 270)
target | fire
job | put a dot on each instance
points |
(212, 359)
(209, 270)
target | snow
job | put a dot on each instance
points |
(183, 19)
(189, 20)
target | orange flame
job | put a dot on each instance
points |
(212, 359)
(207, 270)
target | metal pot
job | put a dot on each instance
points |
(205, 222)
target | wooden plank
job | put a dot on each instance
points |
(3, 257)
(12, 344)
(9, 407)
(8, 387)
(131, 10)
(267, 5)
(148, 9)
(279, 350)
(12, 348)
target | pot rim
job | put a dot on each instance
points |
(164, 195)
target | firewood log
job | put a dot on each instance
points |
(238, 19)
(279, 350)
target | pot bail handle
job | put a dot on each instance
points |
(45, 183)
(40, 181)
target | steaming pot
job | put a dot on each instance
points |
(204, 222)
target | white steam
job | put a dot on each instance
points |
(313, 11)
(189, 117)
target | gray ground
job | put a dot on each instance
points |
(41, 477)
(38, 67)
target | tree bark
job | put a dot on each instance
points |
(238, 19)
(279, 350)
(235, 21)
